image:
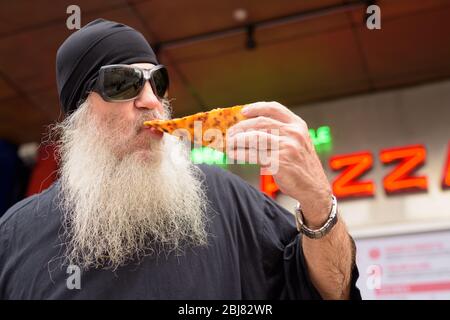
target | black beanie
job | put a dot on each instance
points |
(100, 42)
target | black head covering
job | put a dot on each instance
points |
(100, 42)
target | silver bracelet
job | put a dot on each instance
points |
(322, 231)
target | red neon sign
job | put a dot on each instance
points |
(400, 179)
(268, 186)
(354, 165)
(346, 184)
(446, 175)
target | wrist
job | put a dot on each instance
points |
(316, 213)
(316, 229)
(317, 222)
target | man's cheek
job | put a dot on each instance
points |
(125, 129)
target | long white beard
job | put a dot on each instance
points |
(117, 209)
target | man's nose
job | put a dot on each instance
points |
(147, 99)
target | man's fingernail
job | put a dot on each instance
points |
(244, 110)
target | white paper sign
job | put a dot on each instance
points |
(413, 266)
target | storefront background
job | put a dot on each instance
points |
(372, 122)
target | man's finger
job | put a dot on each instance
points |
(272, 110)
(256, 140)
(265, 158)
(258, 123)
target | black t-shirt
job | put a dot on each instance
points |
(254, 252)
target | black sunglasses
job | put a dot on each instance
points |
(122, 82)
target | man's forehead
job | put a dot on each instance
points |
(143, 65)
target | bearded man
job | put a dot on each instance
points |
(130, 216)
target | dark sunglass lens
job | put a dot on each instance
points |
(161, 82)
(122, 83)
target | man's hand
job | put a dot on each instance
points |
(300, 175)
(299, 171)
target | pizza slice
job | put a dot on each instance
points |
(209, 127)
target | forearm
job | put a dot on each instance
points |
(330, 261)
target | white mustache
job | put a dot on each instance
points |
(147, 116)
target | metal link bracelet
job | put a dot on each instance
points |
(322, 231)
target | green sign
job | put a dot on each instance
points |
(208, 156)
(321, 138)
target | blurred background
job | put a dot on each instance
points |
(376, 99)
